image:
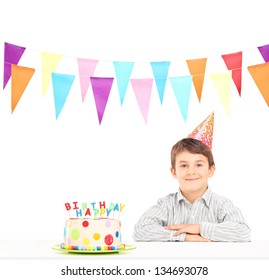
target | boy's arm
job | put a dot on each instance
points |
(231, 225)
(151, 225)
(192, 232)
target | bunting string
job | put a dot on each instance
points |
(263, 50)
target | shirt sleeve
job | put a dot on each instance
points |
(231, 225)
(151, 225)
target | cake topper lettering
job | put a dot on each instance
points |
(93, 210)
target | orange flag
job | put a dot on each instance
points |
(20, 77)
(260, 74)
(197, 70)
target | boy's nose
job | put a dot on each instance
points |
(191, 171)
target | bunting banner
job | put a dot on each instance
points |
(20, 77)
(260, 74)
(197, 70)
(142, 87)
(223, 85)
(182, 89)
(12, 55)
(61, 86)
(101, 90)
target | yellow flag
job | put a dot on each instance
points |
(223, 86)
(49, 64)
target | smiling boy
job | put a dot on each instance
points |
(194, 213)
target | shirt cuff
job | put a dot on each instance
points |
(180, 237)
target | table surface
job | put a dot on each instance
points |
(42, 249)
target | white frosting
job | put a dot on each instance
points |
(92, 233)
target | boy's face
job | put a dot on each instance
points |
(192, 172)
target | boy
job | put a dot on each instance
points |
(194, 213)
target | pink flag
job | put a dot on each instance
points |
(86, 68)
(142, 89)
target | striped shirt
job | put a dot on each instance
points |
(219, 219)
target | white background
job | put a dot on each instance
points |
(45, 163)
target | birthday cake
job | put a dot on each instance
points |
(94, 228)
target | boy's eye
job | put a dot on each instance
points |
(186, 165)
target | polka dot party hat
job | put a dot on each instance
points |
(204, 131)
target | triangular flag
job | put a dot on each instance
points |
(86, 68)
(123, 72)
(182, 88)
(233, 62)
(260, 75)
(142, 89)
(49, 64)
(61, 86)
(264, 50)
(12, 55)
(223, 86)
(197, 70)
(160, 71)
(101, 89)
(20, 77)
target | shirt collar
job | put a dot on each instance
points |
(180, 196)
(206, 196)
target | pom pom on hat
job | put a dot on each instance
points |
(204, 131)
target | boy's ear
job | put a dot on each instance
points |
(173, 172)
(212, 170)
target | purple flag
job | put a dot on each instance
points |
(264, 50)
(101, 89)
(12, 55)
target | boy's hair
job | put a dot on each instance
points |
(193, 146)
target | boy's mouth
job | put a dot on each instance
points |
(192, 179)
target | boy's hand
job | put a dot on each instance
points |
(195, 238)
(185, 228)
(192, 232)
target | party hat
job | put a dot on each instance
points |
(204, 131)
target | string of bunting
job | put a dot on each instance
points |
(101, 86)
